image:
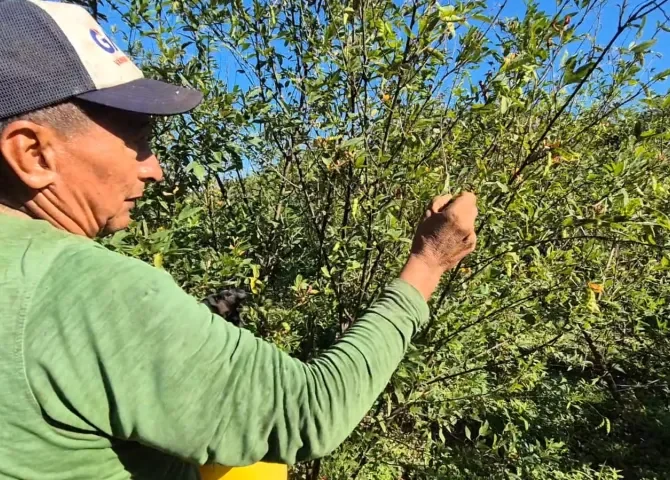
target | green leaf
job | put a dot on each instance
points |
(118, 238)
(188, 212)
(428, 23)
(649, 133)
(435, 53)
(605, 423)
(468, 433)
(661, 75)
(448, 14)
(617, 168)
(504, 105)
(592, 302)
(642, 47)
(255, 140)
(576, 76)
(353, 142)
(481, 17)
(484, 428)
(198, 170)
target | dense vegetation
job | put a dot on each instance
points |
(328, 126)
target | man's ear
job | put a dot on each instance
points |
(27, 150)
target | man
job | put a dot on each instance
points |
(108, 369)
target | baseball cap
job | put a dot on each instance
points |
(51, 52)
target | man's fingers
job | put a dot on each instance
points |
(470, 241)
(463, 209)
(438, 203)
(465, 199)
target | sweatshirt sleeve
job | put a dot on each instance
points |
(114, 347)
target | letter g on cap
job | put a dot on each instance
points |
(102, 41)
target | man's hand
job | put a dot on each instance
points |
(227, 304)
(444, 237)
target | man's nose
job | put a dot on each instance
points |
(150, 170)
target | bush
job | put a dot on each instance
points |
(326, 129)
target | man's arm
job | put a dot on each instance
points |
(115, 347)
(125, 352)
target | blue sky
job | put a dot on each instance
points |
(514, 8)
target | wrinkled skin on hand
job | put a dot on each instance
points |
(445, 235)
(447, 232)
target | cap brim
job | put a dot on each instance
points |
(148, 96)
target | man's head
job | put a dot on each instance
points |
(75, 118)
(78, 165)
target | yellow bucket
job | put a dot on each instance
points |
(257, 471)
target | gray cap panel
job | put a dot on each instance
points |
(38, 65)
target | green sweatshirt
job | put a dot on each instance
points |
(108, 370)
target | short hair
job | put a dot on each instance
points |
(66, 117)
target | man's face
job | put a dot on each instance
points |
(106, 166)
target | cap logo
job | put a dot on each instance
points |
(102, 41)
